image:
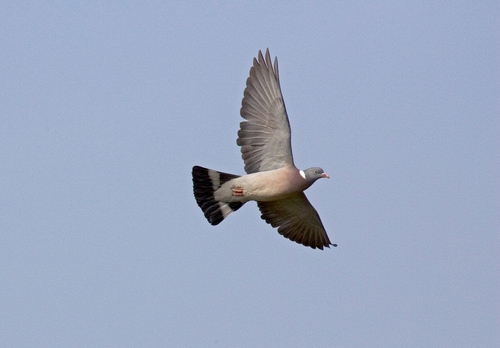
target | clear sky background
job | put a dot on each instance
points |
(106, 106)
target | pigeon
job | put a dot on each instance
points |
(272, 180)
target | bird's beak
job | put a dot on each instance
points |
(326, 176)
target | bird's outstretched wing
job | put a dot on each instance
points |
(264, 136)
(296, 220)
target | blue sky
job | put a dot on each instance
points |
(106, 106)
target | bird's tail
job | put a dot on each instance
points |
(205, 183)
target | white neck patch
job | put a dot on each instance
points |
(302, 174)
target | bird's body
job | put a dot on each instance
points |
(272, 178)
(262, 186)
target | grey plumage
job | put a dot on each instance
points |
(265, 134)
(272, 178)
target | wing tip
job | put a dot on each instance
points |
(327, 246)
(265, 60)
(319, 246)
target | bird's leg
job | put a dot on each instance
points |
(238, 191)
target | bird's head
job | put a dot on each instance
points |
(313, 174)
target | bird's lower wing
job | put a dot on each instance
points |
(296, 220)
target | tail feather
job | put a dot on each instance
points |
(205, 183)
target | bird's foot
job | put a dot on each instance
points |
(238, 192)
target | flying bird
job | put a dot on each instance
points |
(272, 178)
